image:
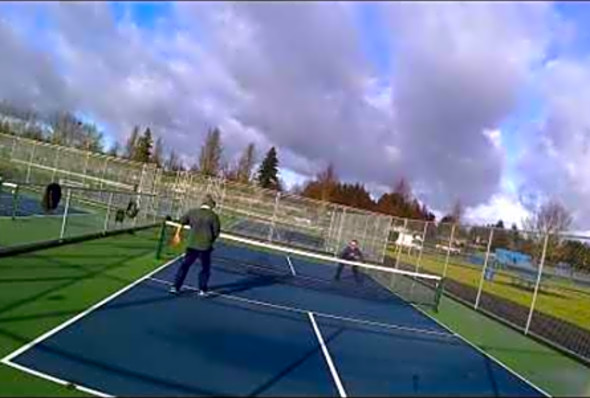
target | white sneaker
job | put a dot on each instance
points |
(173, 290)
(203, 293)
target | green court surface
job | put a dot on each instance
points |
(556, 297)
(42, 289)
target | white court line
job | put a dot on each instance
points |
(48, 216)
(291, 266)
(486, 354)
(320, 314)
(56, 380)
(8, 359)
(327, 356)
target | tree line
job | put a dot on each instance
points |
(143, 145)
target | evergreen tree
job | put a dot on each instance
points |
(269, 170)
(143, 147)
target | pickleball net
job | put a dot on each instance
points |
(312, 270)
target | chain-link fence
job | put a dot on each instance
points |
(538, 283)
(281, 217)
(35, 162)
(25, 219)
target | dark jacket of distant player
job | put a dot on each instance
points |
(351, 254)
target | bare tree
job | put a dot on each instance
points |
(210, 157)
(245, 165)
(551, 217)
(327, 180)
(403, 189)
(458, 211)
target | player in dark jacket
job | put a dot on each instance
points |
(352, 253)
(204, 231)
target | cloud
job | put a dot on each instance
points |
(458, 75)
(556, 163)
(28, 77)
(297, 76)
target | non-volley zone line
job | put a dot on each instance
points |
(316, 313)
(311, 316)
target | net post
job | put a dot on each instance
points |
(444, 273)
(539, 274)
(161, 240)
(484, 268)
(107, 216)
(65, 216)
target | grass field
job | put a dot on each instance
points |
(43, 289)
(555, 298)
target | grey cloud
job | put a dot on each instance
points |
(296, 75)
(459, 72)
(28, 77)
(556, 163)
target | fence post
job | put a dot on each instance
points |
(539, 274)
(421, 247)
(222, 199)
(444, 273)
(13, 149)
(30, 165)
(15, 201)
(274, 216)
(483, 270)
(339, 236)
(104, 171)
(55, 164)
(386, 240)
(86, 161)
(107, 216)
(399, 247)
(65, 216)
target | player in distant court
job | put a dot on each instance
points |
(204, 231)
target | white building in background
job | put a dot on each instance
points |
(407, 239)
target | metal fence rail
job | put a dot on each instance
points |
(538, 283)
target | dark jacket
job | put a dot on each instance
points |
(348, 253)
(205, 227)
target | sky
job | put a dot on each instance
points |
(482, 102)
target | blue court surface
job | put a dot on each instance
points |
(287, 236)
(263, 335)
(28, 205)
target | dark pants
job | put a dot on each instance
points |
(190, 257)
(355, 271)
